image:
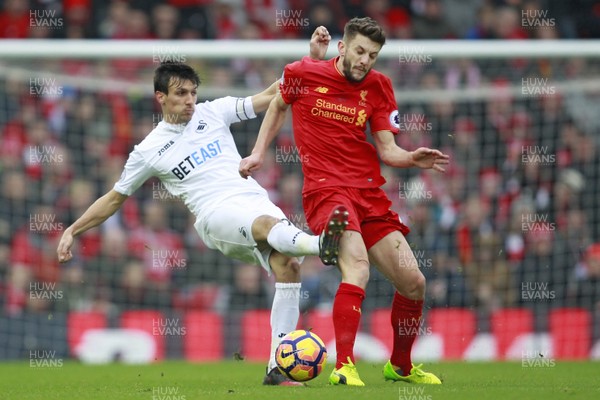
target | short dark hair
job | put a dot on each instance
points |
(173, 70)
(365, 26)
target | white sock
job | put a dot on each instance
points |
(289, 240)
(284, 314)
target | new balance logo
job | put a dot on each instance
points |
(322, 89)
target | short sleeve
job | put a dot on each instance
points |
(135, 173)
(289, 86)
(234, 109)
(385, 117)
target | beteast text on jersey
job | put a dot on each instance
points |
(211, 150)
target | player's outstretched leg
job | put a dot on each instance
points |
(406, 313)
(329, 240)
(396, 261)
(285, 311)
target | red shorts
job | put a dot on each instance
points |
(370, 212)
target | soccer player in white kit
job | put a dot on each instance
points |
(197, 160)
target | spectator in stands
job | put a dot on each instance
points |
(587, 280)
(135, 292)
(77, 293)
(447, 286)
(157, 245)
(484, 26)
(463, 73)
(248, 291)
(567, 194)
(507, 24)
(31, 256)
(489, 275)
(462, 14)
(463, 145)
(394, 19)
(14, 20)
(431, 24)
(496, 123)
(576, 235)
(165, 22)
(15, 204)
(105, 269)
(542, 276)
(78, 19)
(547, 123)
(586, 160)
(323, 13)
(115, 23)
(474, 222)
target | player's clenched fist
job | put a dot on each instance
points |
(249, 164)
(64, 247)
(319, 42)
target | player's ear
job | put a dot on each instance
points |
(341, 48)
(160, 97)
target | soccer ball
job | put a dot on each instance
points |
(301, 355)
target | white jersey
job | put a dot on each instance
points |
(197, 162)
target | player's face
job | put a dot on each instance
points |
(358, 57)
(178, 104)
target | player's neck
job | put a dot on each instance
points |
(339, 65)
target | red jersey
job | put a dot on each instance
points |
(330, 116)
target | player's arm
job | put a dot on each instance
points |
(260, 101)
(393, 155)
(319, 42)
(96, 214)
(272, 123)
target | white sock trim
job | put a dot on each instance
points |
(285, 313)
(286, 285)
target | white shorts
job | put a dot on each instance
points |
(228, 227)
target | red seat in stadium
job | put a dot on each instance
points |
(256, 335)
(78, 322)
(457, 327)
(321, 323)
(203, 340)
(147, 321)
(381, 327)
(508, 324)
(570, 329)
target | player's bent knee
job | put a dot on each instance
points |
(285, 269)
(262, 226)
(414, 288)
(356, 273)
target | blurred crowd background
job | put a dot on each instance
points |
(256, 19)
(519, 203)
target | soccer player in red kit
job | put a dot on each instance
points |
(332, 103)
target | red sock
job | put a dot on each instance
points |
(346, 317)
(406, 323)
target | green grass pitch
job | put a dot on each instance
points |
(177, 380)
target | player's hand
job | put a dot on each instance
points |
(319, 42)
(247, 165)
(64, 247)
(429, 158)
